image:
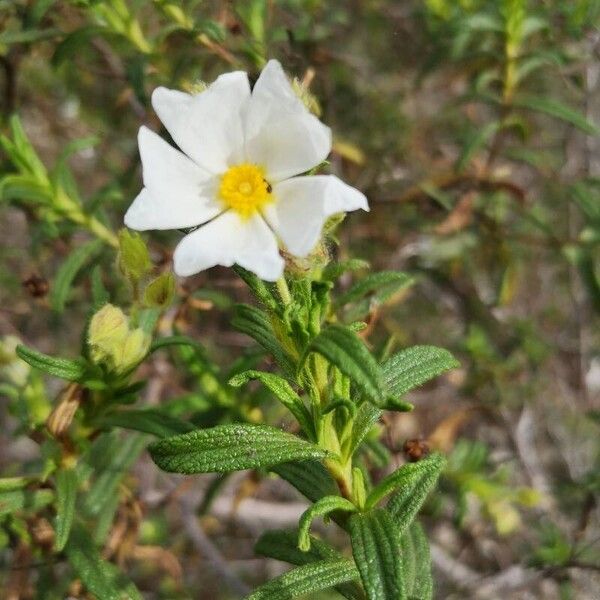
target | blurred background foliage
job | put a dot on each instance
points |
(471, 125)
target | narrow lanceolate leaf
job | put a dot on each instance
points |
(149, 420)
(30, 500)
(373, 290)
(283, 545)
(99, 577)
(283, 391)
(376, 549)
(414, 366)
(71, 370)
(68, 271)
(309, 477)
(413, 483)
(66, 493)
(255, 323)
(307, 579)
(366, 417)
(175, 340)
(345, 350)
(321, 508)
(557, 110)
(416, 557)
(230, 448)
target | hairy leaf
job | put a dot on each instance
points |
(321, 508)
(255, 323)
(413, 483)
(148, 420)
(66, 493)
(344, 349)
(283, 545)
(99, 577)
(414, 366)
(307, 579)
(416, 561)
(376, 549)
(230, 448)
(283, 391)
(68, 271)
(373, 289)
(64, 368)
(309, 477)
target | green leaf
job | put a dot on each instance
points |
(372, 290)
(413, 481)
(68, 271)
(366, 417)
(121, 457)
(309, 477)
(256, 324)
(99, 577)
(344, 349)
(321, 508)
(416, 563)
(558, 110)
(30, 500)
(66, 493)
(176, 340)
(283, 391)
(149, 420)
(476, 143)
(283, 545)
(260, 289)
(307, 579)
(414, 366)
(64, 368)
(230, 448)
(376, 550)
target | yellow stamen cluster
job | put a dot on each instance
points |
(244, 189)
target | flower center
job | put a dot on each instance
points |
(244, 189)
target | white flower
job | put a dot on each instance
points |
(240, 177)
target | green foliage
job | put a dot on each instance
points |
(230, 448)
(309, 578)
(376, 549)
(66, 494)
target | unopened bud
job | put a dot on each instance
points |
(133, 350)
(108, 329)
(159, 292)
(134, 259)
(61, 417)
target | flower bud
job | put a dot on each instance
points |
(159, 292)
(132, 351)
(134, 259)
(107, 331)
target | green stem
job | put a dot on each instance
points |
(284, 291)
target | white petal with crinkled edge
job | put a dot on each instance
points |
(229, 240)
(178, 192)
(303, 204)
(208, 126)
(281, 134)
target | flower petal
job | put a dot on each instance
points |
(178, 193)
(303, 204)
(207, 126)
(228, 240)
(281, 134)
